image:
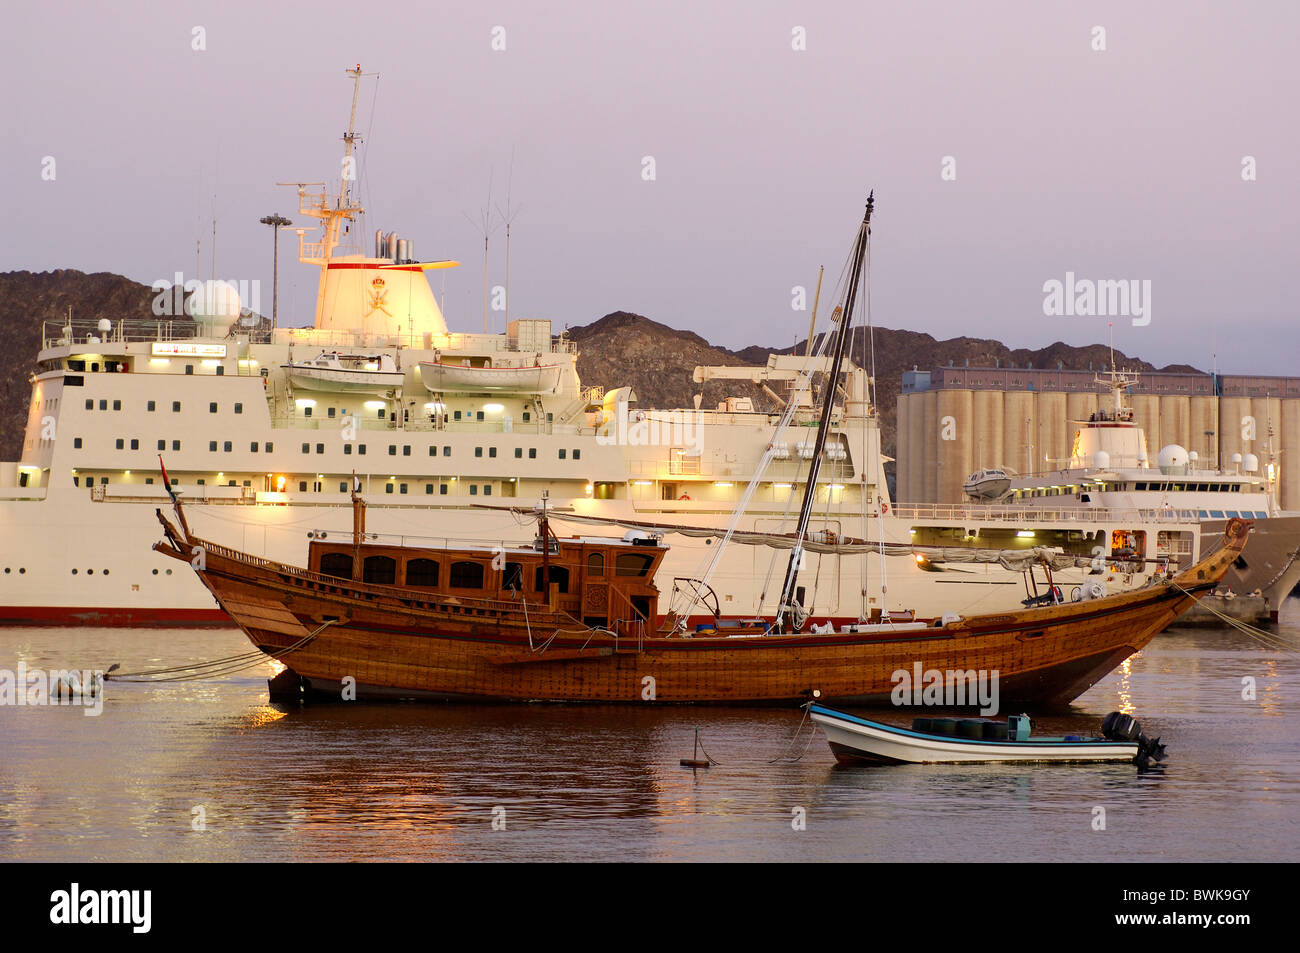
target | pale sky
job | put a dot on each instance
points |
(1122, 163)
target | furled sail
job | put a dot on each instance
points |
(1016, 560)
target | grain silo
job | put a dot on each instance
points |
(956, 426)
(987, 448)
(903, 460)
(1146, 411)
(1050, 444)
(1203, 430)
(1289, 488)
(929, 447)
(1175, 421)
(1234, 415)
(1017, 437)
(915, 448)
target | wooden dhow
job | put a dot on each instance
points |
(576, 620)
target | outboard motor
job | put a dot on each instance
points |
(1118, 726)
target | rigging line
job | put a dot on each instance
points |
(804, 380)
(785, 757)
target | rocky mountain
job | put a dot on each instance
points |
(619, 349)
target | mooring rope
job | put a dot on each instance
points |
(785, 758)
(1268, 639)
(215, 668)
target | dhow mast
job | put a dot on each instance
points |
(787, 602)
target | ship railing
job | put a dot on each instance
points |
(64, 333)
(1033, 514)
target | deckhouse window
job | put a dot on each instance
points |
(338, 565)
(513, 576)
(466, 575)
(632, 564)
(559, 576)
(176, 407)
(212, 407)
(596, 564)
(422, 573)
(380, 570)
(151, 406)
(239, 408)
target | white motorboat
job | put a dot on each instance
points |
(986, 485)
(951, 741)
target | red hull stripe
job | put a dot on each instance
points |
(110, 616)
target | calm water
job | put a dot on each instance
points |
(410, 782)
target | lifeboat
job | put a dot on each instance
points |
(984, 485)
(442, 378)
(350, 374)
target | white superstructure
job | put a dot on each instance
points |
(261, 431)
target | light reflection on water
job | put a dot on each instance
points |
(417, 782)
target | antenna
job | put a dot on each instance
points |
(508, 216)
(485, 223)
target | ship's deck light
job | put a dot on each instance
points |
(1025, 533)
(494, 408)
(722, 484)
(305, 402)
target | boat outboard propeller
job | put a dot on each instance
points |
(1118, 726)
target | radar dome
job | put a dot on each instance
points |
(1101, 460)
(1172, 459)
(105, 325)
(1192, 456)
(1235, 458)
(1250, 463)
(214, 306)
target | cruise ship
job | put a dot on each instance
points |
(264, 430)
(1110, 467)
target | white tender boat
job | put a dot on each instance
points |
(442, 378)
(985, 485)
(861, 741)
(348, 374)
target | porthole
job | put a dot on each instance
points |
(6, 570)
(105, 571)
(90, 572)
(169, 572)
(22, 570)
(74, 572)
(155, 572)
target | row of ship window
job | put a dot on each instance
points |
(463, 574)
(153, 406)
(446, 451)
